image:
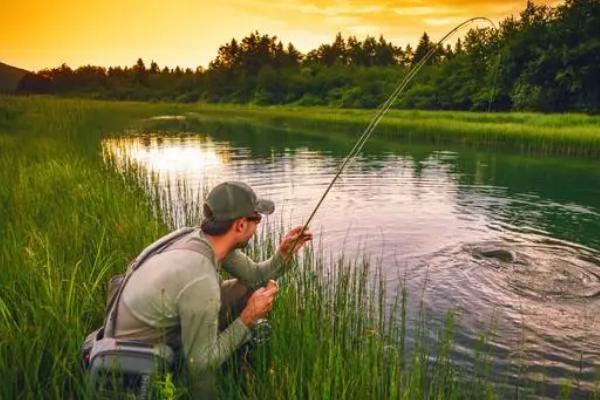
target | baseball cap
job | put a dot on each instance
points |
(231, 200)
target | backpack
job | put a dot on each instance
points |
(134, 363)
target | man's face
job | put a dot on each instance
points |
(247, 230)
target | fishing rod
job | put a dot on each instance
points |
(384, 108)
(262, 332)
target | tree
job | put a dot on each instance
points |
(330, 54)
(154, 69)
(385, 53)
(34, 83)
(550, 58)
(422, 49)
(293, 56)
(369, 46)
(228, 56)
(447, 52)
(409, 55)
(355, 52)
(139, 72)
(458, 47)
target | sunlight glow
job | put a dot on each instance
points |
(172, 156)
(39, 34)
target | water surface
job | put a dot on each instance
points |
(505, 240)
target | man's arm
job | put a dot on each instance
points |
(245, 269)
(204, 347)
(242, 267)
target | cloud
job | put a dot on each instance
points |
(398, 20)
(421, 10)
(446, 21)
(39, 33)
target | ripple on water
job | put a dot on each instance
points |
(543, 269)
(535, 295)
(481, 243)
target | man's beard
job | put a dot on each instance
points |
(242, 245)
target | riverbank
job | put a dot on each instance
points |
(69, 222)
(547, 134)
(576, 135)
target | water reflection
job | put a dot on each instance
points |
(171, 156)
(487, 234)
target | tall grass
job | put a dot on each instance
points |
(335, 333)
(68, 221)
(66, 224)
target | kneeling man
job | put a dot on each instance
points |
(178, 296)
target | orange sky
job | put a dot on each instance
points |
(35, 34)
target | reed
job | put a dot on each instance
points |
(69, 219)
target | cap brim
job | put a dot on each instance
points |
(265, 206)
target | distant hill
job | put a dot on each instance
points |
(10, 77)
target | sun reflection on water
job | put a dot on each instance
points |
(170, 155)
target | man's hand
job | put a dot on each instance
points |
(296, 239)
(259, 304)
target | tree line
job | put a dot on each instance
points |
(546, 59)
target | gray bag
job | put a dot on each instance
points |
(124, 365)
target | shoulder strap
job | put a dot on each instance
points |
(157, 247)
(193, 244)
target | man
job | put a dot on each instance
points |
(177, 296)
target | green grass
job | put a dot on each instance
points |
(558, 134)
(68, 222)
(576, 135)
(332, 340)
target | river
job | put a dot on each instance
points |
(509, 242)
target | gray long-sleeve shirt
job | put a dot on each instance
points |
(175, 296)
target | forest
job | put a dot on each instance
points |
(545, 59)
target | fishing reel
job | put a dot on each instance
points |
(261, 332)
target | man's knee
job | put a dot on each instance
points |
(234, 291)
(234, 296)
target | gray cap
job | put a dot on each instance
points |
(231, 200)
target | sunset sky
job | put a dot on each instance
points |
(36, 34)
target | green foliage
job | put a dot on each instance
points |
(544, 61)
(569, 134)
(67, 225)
(69, 221)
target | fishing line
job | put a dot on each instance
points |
(386, 105)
